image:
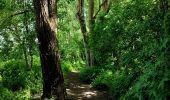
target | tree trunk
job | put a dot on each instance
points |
(31, 55)
(91, 27)
(53, 82)
(25, 22)
(81, 18)
(105, 4)
(25, 53)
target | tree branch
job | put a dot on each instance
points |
(99, 9)
(20, 12)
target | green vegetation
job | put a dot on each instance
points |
(18, 81)
(88, 74)
(124, 51)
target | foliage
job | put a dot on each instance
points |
(89, 73)
(9, 95)
(19, 81)
(133, 36)
(116, 83)
(151, 85)
(103, 81)
(68, 66)
(14, 75)
(68, 32)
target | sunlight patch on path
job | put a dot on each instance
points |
(80, 91)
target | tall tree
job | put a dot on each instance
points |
(81, 18)
(90, 60)
(92, 17)
(91, 25)
(53, 82)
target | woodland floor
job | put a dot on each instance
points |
(80, 91)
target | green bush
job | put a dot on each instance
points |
(7, 94)
(103, 81)
(34, 80)
(117, 83)
(89, 73)
(14, 75)
(17, 78)
(66, 67)
(121, 82)
(151, 86)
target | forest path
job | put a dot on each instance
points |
(80, 91)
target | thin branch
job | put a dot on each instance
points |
(19, 13)
(15, 14)
(99, 8)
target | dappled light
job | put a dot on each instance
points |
(84, 49)
(79, 91)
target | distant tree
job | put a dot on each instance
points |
(53, 82)
(81, 18)
(91, 25)
(92, 14)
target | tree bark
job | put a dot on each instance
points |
(105, 4)
(53, 81)
(91, 27)
(25, 22)
(25, 53)
(81, 18)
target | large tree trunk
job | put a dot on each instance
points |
(53, 82)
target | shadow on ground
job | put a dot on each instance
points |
(80, 91)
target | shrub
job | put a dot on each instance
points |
(89, 73)
(116, 83)
(121, 82)
(151, 86)
(103, 81)
(14, 75)
(34, 79)
(7, 94)
(66, 67)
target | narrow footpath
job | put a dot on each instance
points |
(80, 91)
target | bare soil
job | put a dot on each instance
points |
(80, 91)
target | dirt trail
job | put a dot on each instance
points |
(79, 91)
